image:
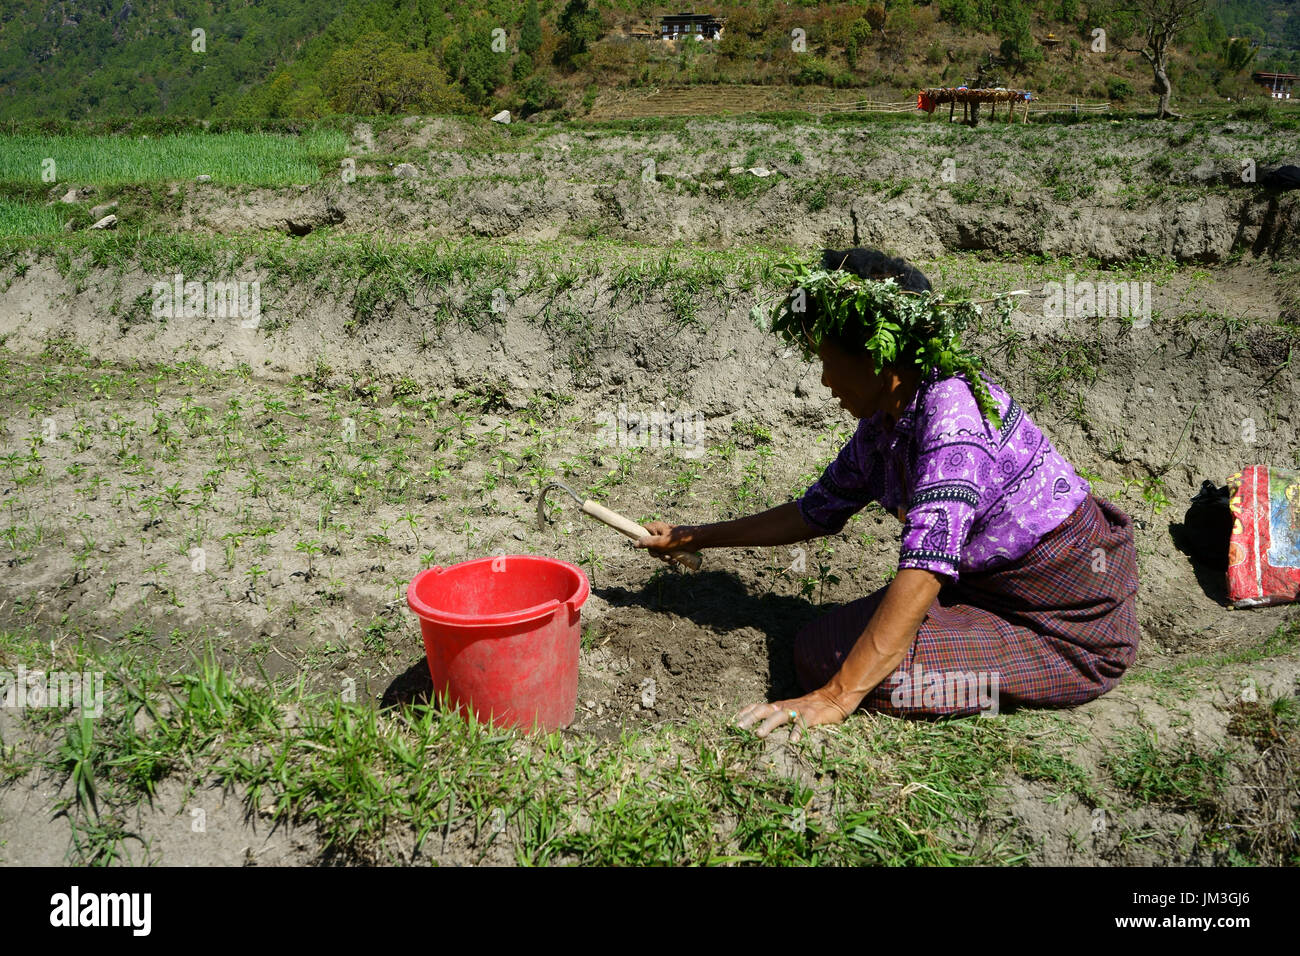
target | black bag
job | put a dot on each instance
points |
(1207, 526)
(1281, 177)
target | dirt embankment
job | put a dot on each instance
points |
(1114, 191)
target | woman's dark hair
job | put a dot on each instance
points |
(871, 264)
(874, 264)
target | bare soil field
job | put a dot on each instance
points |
(230, 515)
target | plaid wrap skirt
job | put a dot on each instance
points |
(1053, 629)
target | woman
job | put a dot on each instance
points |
(1015, 585)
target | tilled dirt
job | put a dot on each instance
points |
(1126, 404)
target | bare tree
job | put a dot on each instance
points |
(1158, 22)
(876, 17)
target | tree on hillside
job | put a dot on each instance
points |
(1237, 54)
(1156, 23)
(859, 32)
(579, 26)
(530, 33)
(962, 14)
(1212, 35)
(537, 95)
(1018, 46)
(277, 95)
(876, 18)
(377, 75)
(481, 68)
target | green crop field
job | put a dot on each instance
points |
(255, 159)
(21, 219)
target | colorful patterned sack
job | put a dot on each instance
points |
(1264, 552)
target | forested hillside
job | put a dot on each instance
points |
(307, 58)
(135, 57)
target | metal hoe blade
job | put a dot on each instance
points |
(541, 500)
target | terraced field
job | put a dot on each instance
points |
(219, 511)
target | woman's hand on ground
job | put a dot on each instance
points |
(819, 707)
(664, 537)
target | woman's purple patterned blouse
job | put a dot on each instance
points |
(976, 498)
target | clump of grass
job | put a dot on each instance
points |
(1061, 376)
(1182, 778)
(1264, 725)
(1055, 769)
(745, 185)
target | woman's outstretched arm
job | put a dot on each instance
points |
(767, 529)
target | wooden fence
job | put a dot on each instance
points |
(909, 106)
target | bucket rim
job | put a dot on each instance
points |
(546, 608)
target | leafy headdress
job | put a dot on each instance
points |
(891, 324)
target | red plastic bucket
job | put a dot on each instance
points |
(502, 635)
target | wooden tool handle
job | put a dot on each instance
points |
(634, 531)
